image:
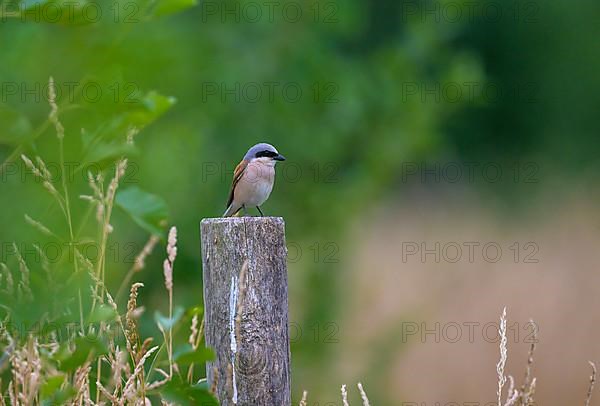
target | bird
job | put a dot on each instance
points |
(253, 179)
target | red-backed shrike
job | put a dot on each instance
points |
(253, 179)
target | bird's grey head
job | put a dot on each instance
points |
(263, 150)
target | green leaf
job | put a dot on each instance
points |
(152, 106)
(167, 323)
(147, 210)
(15, 128)
(166, 7)
(108, 140)
(102, 313)
(51, 385)
(103, 154)
(141, 112)
(60, 396)
(87, 347)
(182, 393)
(186, 355)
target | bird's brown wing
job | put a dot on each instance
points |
(237, 175)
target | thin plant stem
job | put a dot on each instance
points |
(171, 334)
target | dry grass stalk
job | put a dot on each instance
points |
(530, 393)
(117, 359)
(592, 381)
(23, 286)
(8, 278)
(130, 390)
(158, 384)
(53, 116)
(194, 341)
(39, 226)
(42, 173)
(131, 333)
(11, 394)
(106, 393)
(138, 264)
(82, 385)
(528, 387)
(363, 395)
(193, 331)
(140, 260)
(105, 203)
(2, 401)
(97, 186)
(303, 400)
(503, 356)
(168, 274)
(45, 262)
(512, 395)
(66, 204)
(344, 396)
(27, 373)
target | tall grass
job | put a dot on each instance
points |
(102, 358)
(523, 396)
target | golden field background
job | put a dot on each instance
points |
(385, 297)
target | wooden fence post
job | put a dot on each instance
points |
(246, 309)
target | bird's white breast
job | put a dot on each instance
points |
(256, 184)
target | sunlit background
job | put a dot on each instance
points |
(443, 163)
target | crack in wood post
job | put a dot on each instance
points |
(246, 309)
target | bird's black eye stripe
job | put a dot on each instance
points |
(266, 153)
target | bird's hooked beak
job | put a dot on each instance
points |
(279, 157)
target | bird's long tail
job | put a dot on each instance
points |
(232, 210)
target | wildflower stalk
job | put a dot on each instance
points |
(105, 225)
(66, 202)
(194, 341)
(168, 273)
(503, 356)
(138, 264)
(105, 206)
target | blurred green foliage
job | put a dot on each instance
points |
(348, 92)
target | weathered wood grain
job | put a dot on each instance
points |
(252, 366)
